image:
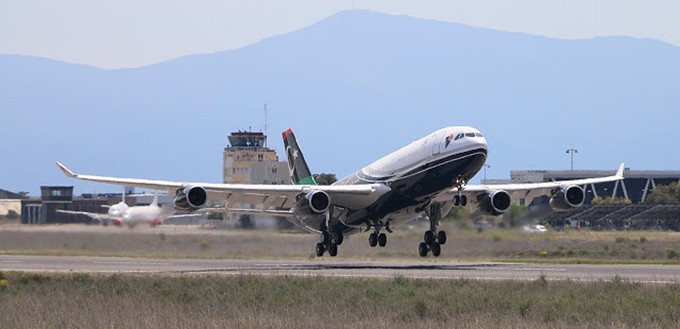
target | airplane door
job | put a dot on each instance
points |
(436, 147)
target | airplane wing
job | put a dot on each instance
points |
(269, 198)
(529, 190)
(94, 216)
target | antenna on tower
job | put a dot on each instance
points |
(266, 125)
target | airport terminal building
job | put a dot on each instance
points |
(53, 198)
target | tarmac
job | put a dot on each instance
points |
(656, 274)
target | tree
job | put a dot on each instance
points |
(325, 179)
(457, 214)
(245, 222)
(607, 200)
(515, 214)
(215, 211)
(12, 215)
(664, 194)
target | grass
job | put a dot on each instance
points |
(129, 301)
(634, 247)
(206, 301)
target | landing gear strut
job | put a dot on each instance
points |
(433, 239)
(376, 238)
(329, 241)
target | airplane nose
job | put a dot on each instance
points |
(481, 141)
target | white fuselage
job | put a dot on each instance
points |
(437, 145)
(122, 214)
(413, 159)
(414, 174)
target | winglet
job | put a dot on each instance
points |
(619, 173)
(66, 171)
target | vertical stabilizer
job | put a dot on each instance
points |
(297, 166)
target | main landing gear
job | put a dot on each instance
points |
(376, 238)
(329, 242)
(433, 239)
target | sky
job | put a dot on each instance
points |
(133, 33)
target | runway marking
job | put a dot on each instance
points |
(132, 263)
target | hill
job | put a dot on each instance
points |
(354, 87)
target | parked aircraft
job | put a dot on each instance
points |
(121, 214)
(429, 176)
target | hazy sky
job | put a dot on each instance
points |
(132, 33)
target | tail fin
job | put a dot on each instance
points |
(297, 166)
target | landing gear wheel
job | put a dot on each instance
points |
(422, 249)
(382, 239)
(373, 240)
(463, 200)
(333, 250)
(436, 249)
(320, 249)
(429, 238)
(339, 239)
(441, 237)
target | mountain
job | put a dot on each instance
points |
(354, 87)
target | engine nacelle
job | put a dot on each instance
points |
(312, 203)
(568, 198)
(495, 203)
(191, 198)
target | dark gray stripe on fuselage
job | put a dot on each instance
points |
(414, 188)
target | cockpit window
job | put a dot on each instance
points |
(479, 135)
(459, 136)
(470, 135)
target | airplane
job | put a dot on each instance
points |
(428, 176)
(121, 214)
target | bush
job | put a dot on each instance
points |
(12, 215)
(671, 253)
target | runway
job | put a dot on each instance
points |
(339, 268)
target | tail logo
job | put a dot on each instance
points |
(292, 156)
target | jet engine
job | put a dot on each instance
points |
(495, 203)
(312, 203)
(567, 198)
(190, 198)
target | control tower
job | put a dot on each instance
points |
(248, 160)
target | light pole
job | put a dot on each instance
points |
(572, 151)
(485, 167)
